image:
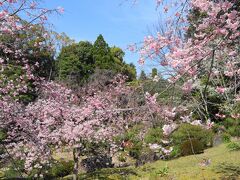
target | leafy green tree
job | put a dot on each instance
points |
(143, 76)
(130, 71)
(120, 66)
(75, 62)
(117, 53)
(154, 72)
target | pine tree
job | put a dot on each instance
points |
(102, 54)
(143, 76)
(154, 72)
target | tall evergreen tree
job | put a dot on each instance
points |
(102, 54)
(143, 76)
(154, 72)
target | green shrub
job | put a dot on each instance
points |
(175, 152)
(109, 173)
(122, 157)
(132, 135)
(154, 135)
(228, 122)
(15, 170)
(234, 130)
(193, 146)
(62, 168)
(234, 146)
(135, 149)
(58, 169)
(216, 127)
(93, 148)
(226, 137)
(163, 172)
(188, 134)
(3, 135)
(146, 155)
(133, 132)
(232, 126)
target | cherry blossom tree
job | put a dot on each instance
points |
(58, 116)
(18, 72)
(16, 69)
(61, 117)
(207, 61)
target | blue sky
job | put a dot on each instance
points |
(120, 22)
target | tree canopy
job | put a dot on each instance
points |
(78, 61)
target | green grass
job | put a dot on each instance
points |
(189, 167)
(225, 164)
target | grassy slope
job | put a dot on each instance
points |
(185, 168)
(182, 168)
(188, 167)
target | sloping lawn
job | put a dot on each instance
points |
(225, 164)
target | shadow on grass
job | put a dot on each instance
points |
(107, 174)
(229, 171)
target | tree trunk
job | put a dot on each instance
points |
(76, 162)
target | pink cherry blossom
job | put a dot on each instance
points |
(60, 9)
(220, 90)
(168, 129)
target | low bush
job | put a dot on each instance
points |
(190, 137)
(133, 132)
(131, 142)
(191, 146)
(234, 146)
(135, 149)
(3, 136)
(58, 169)
(109, 173)
(15, 170)
(122, 157)
(232, 126)
(154, 135)
(176, 152)
(234, 130)
(146, 155)
(226, 138)
(61, 169)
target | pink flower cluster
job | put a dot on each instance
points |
(183, 55)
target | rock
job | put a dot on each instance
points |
(97, 162)
(217, 140)
(129, 161)
(145, 158)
